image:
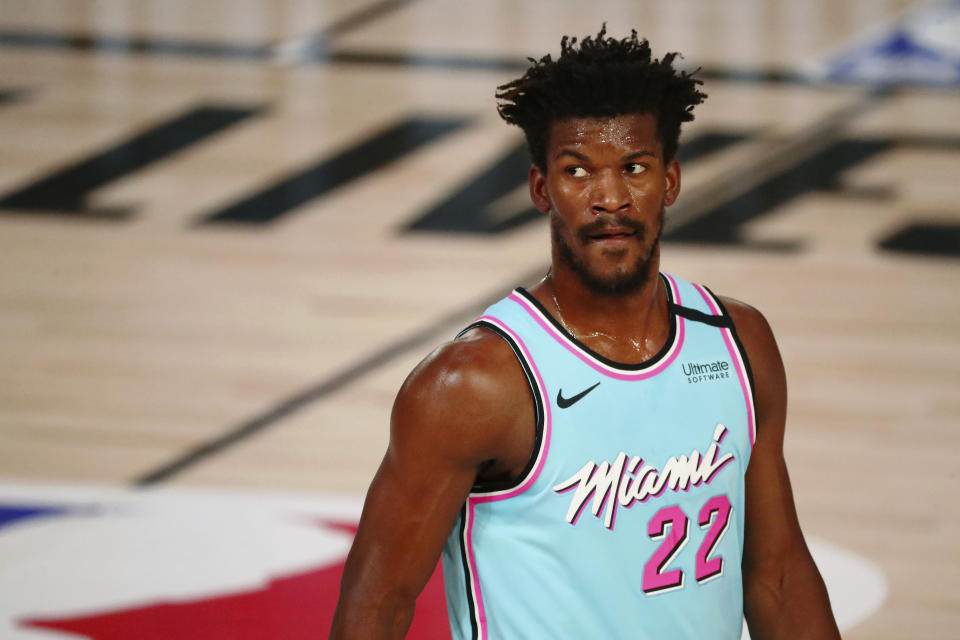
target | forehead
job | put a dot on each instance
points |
(632, 131)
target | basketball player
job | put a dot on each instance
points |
(599, 456)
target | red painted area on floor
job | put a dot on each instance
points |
(295, 607)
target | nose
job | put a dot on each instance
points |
(610, 193)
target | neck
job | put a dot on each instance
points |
(628, 327)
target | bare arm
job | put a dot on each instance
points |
(784, 595)
(464, 412)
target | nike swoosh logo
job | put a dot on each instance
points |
(563, 403)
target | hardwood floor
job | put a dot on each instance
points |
(209, 277)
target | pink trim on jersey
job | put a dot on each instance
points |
(738, 363)
(531, 478)
(674, 289)
(474, 578)
(600, 367)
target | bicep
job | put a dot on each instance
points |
(772, 528)
(410, 508)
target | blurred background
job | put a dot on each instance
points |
(229, 229)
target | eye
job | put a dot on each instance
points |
(576, 172)
(635, 168)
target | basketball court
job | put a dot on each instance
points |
(229, 229)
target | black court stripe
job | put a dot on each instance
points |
(132, 45)
(64, 191)
(412, 59)
(925, 238)
(446, 325)
(8, 95)
(362, 158)
(715, 212)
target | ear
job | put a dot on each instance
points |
(672, 177)
(538, 188)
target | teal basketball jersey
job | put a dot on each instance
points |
(628, 520)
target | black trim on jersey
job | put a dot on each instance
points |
(503, 485)
(743, 354)
(700, 316)
(466, 571)
(646, 364)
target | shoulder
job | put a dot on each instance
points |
(766, 364)
(751, 325)
(476, 366)
(468, 393)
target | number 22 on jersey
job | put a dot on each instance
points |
(671, 525)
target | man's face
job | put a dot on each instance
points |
(605, 189)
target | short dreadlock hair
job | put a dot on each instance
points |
(601, 78)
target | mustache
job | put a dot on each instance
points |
(601, 224)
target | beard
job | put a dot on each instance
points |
(622, 282)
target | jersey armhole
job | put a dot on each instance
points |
(500, 486)
(736, 337)
(743, 352)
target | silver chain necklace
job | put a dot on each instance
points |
(594, 334)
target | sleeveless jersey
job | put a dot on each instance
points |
(628, 520)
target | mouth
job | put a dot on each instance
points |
(612, 234)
